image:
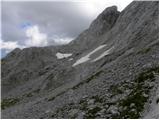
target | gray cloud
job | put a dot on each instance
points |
(53, 18)
(57, 20)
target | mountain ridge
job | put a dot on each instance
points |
(109, 66)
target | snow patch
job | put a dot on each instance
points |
(61, 55)
(103, 54)
(70, 59)
(87, 57)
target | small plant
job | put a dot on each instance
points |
(36, 91)
(137, 97)
(91, 114)
(2, 62)
(83, 104)
(115, 90)
(5, 103)
(97, 99)
(144, 50)
(50, 99)
(29, 95)
(149, 74)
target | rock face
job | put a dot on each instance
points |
(116, 77)
(102, 24)
(105, 21)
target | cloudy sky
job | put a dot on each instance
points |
(41, 23)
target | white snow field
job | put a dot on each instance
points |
(103, 54)
(87, 57)
(61, 55)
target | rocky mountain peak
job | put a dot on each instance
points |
(13, 53)
(105, 20)
(110, 71)
(102, 24)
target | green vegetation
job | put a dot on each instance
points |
(50, 99)
(97, 98)
(129, 107)
(115, 90)
(2, 62)
(8, 102)
(91, 113)
(83, 104)
(144, 50)
(138, 96)
(149, 74)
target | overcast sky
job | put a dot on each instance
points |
(42, 23)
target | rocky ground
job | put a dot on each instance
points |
(122, 83)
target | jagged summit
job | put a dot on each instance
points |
(109, 71)
(104, 21)
(102, 24)
(14, 52)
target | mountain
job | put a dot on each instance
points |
(110, 70)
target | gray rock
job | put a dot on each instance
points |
(91, 101)
(73, 113)
(36, 81)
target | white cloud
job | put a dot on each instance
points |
(35, 37)
(85, 9)
(9, 45)
(95, 7)
(61, 41)
(121, 4)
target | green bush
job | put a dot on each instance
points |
(136, 96)
(5, 103)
